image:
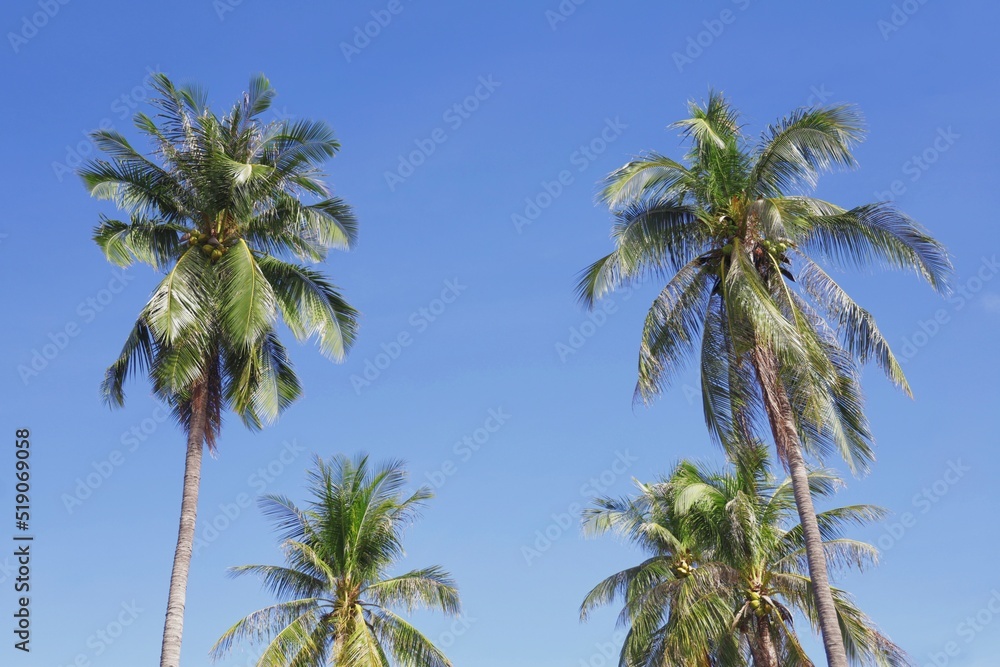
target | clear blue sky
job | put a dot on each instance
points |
(579, 95)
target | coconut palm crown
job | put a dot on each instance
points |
(219, 206)
(336, 594)
(727, 593)
(736, 236)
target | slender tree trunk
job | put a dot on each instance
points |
(170, 654)
(786, 438)
(762, 646)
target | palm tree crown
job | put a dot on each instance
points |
(336, 591)
(734, 605)
(219, 206)
(735, 234)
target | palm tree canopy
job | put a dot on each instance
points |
(231, 209)
(739, 240)
(744, 566)
(336, 593)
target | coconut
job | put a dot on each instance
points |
(728, 248)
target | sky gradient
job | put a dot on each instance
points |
(474, 137)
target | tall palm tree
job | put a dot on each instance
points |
(737, 599)
(221, 205)
(734, 232)
(336, 595)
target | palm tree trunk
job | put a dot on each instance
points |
(786, 439)
(762, 646)
(170, 654)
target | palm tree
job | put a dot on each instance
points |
(221, 206)
(750, 575)
(780, 341)
(655, 591)
(335, 591)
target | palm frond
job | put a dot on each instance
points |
(247, 302)
(808, 142)
(879, 235)
(672, 328)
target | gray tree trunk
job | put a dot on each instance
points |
(786, 438)
(170, 654)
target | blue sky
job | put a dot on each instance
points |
(474, 221)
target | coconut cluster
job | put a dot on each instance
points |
(210, 245)
(729, 231)
(681, 569)
(774, 248)
(757, 602)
